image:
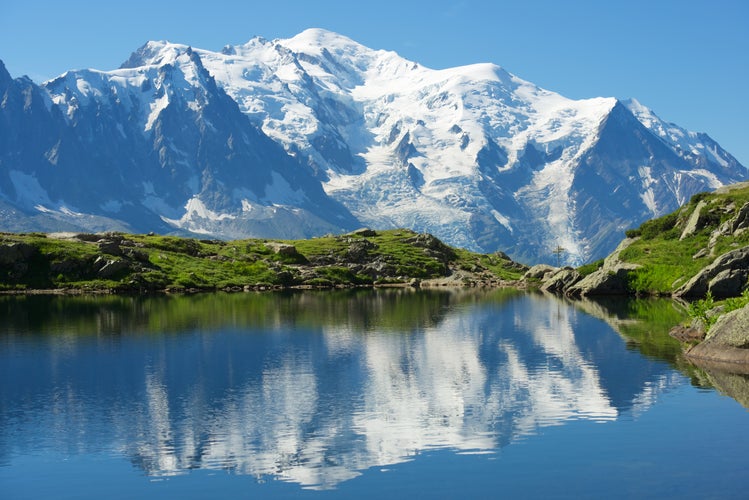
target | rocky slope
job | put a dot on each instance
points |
(318, 134)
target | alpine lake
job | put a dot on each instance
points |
(384, 393)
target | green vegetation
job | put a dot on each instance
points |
(587, 269)
(668, 261)
(708, 310)
(135, 263)
(702, 310)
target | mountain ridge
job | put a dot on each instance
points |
(320, 134)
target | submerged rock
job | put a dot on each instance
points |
(687, 334)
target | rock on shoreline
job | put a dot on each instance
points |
(726, 341)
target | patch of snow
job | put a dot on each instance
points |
(68, 211)
(715, 155)
(196, 208)
(157, 106)
(280, 192)
(648, 195)
(28, 190)
(502, 220)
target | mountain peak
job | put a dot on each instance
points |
(154, 53)
(473, 154)
(318, 42)
(319, 37)
(5, 77)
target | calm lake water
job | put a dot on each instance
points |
(396, 393)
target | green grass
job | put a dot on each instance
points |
(587, 269)
(171, 263)
(667, 261)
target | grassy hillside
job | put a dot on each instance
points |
(674, 248)
(129, 262)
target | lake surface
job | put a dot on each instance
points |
(398, 393)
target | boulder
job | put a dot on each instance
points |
(365, 232)
(281, 248)
(110, 268)
(540, 272)
(725, 277)
(358, 250)
(727, 341)
(561, 281)
(728, 283)
(732, 227)
(109, 246)
(432, 246)
(605, 281)
(693, 224)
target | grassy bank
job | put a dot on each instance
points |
(134, 262)
(672, 249)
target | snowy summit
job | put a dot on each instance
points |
(317, 133)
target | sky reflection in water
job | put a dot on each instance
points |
(309, 388)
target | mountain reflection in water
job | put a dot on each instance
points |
(311, 388)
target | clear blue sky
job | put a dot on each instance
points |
(688, 60)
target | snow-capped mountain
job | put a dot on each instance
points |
(318, 133)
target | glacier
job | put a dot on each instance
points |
(319, 134)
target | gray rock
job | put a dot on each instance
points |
(728, 283)
(605, 281)
(112, 267)
(109, 246)
(726, 277)
(281, 248)
(727, 341)
(611, 279)
(693, 223)
(540, 272)
(732, 227)
(701, 253)
(561, 280)
(358, 250)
